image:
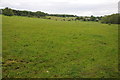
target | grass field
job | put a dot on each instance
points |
(41, 48)
(60, 18)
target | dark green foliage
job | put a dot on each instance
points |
(92, 18)
(62, 15)
(111, 19)
(29, 13)
(79, 18)
(39, 14)
(8, 12)
(11, 12)
(0, 11)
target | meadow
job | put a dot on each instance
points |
(44, 48)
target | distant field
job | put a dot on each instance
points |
(61, 18)
(41, 48)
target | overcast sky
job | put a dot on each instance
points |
(76, 7)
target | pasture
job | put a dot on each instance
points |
(44, 48)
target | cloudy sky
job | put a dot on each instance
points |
(76, 7)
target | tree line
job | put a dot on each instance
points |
(10, 12)
(111, 19)
(87, 18)
(62, 15)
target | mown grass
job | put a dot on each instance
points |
(41, 48)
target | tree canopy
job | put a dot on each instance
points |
(112, 19)
(10, 12)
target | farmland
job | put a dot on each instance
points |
(43, 48)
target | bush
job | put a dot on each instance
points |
(112, 19)
(8, 12)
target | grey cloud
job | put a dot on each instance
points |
(64, 7)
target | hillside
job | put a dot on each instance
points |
(43, 48)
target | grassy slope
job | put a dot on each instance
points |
(41, 48)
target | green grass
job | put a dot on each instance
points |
(41, 48)
(60, 18)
